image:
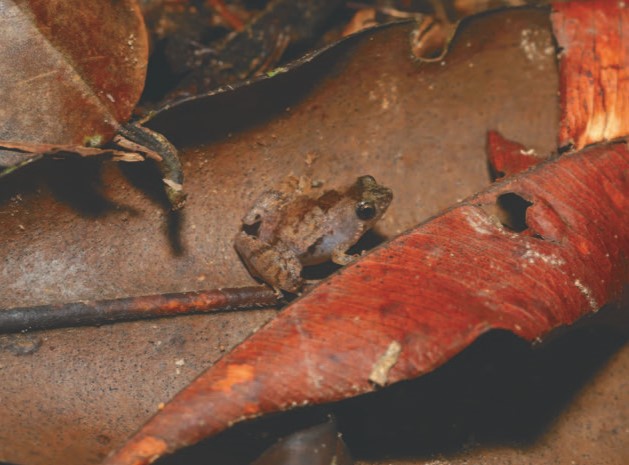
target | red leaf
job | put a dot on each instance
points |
(408, 307)
(594, 71)
(507, 157)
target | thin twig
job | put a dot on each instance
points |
(99, 312)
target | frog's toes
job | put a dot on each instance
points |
(341, 258)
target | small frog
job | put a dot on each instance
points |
(285, 231)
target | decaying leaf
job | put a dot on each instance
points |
(318, 445)
(594, 71)
(508, 157)
(71, 71)
(199, 65)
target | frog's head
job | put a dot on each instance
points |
(372, 199)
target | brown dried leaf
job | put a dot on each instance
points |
(70, 70)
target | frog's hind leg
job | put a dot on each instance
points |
(276, 265)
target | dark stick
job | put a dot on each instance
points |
(99, 312)
(169, 165)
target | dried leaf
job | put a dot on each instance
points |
(507, 157)
(594, 71)
(70, 70)
(36, 149)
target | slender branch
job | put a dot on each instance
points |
(99, 312)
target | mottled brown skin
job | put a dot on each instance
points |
(296, 229)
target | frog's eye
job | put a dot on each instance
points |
(366, 210)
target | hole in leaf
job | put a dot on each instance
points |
(252, 229)
(512, 211)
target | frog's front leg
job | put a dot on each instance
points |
(277, 265)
